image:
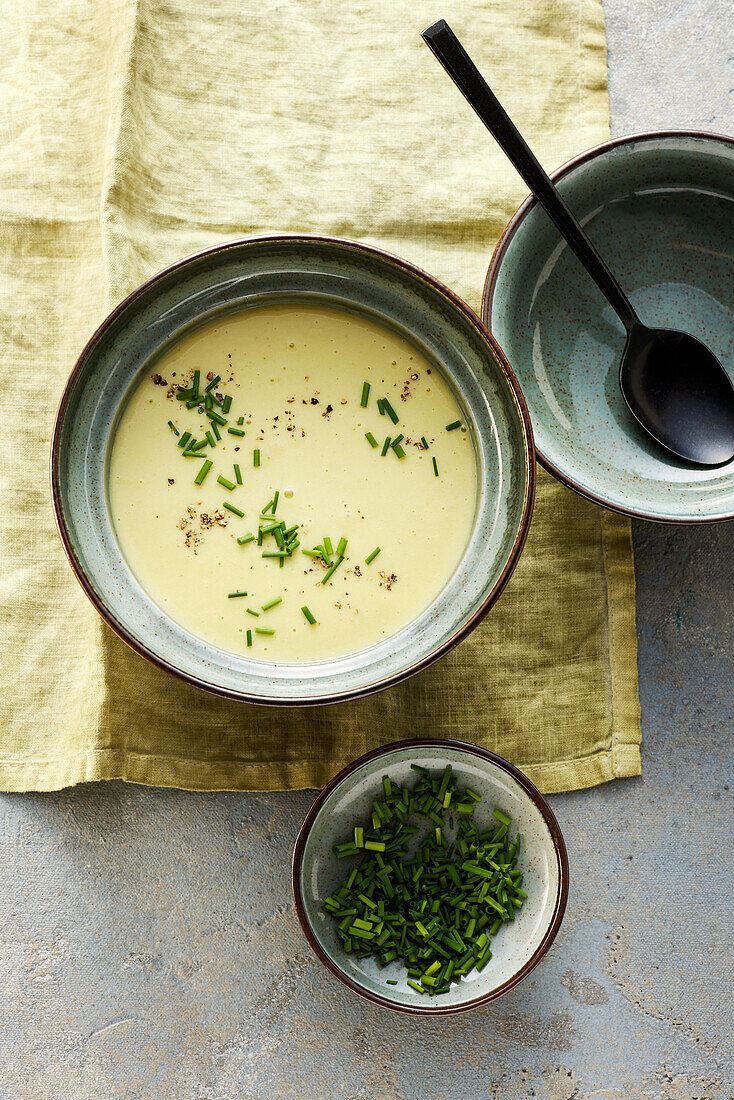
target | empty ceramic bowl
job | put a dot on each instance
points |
(346, 802)
(263, 271)
(660, 208)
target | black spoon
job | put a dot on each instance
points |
(675, 387)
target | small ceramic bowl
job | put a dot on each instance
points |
(660, 208)
(347, 800)
(258, 271)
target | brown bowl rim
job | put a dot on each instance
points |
(530, 789)
(490, 285)
(369, 689)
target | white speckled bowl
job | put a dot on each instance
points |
(346, 801)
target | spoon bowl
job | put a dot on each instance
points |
(674, 385)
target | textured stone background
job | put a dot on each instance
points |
(148, 945)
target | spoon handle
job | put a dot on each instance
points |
(444, 44)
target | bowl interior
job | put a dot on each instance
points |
(661, 211)
(349, 804)
(259, 271)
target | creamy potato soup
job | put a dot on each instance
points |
(293, 482)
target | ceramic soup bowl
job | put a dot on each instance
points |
(272, 269)
(660, 208)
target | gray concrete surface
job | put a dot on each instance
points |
(148, 946)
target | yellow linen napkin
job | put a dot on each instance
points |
(136, 132)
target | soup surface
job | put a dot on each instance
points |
(286, 386)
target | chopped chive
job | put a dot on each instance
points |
(327, 546)
(380, 408)
(249, 637)
(198, 446)
(244, 539)
(227, 403)
(183, 439)
(385, 446)
(391, 981)
(215, 429)
(453, 425)
(309, 617)
(203, 471)
(399, 451)
(216, 418)
(371, 557)
(436, 911)
(195, 383)
(213, 383)
(276, 554)
(397, 440)
(226, 483)
(390, 410)
(208, 401)
(235, 431)
(341, 548)
(272, 603)
(231, 508)
(173, 428)
(233, 595)
(275, 501)
(264, 630)
(365, 394)
(237, 474)
(311, 553)
(371, 439)
(256, 457)
(240, 420)
(210, 439)
(424, 443)
(332, 569)
(255, 614)
(435, 466)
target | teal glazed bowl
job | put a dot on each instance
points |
(258, 271)
(660, 208)
(347, 801)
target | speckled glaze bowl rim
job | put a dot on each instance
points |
(490, 286)
(559, 846)
(515, 392)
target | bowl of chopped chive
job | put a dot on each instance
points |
(430, 876)
(292, 470)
